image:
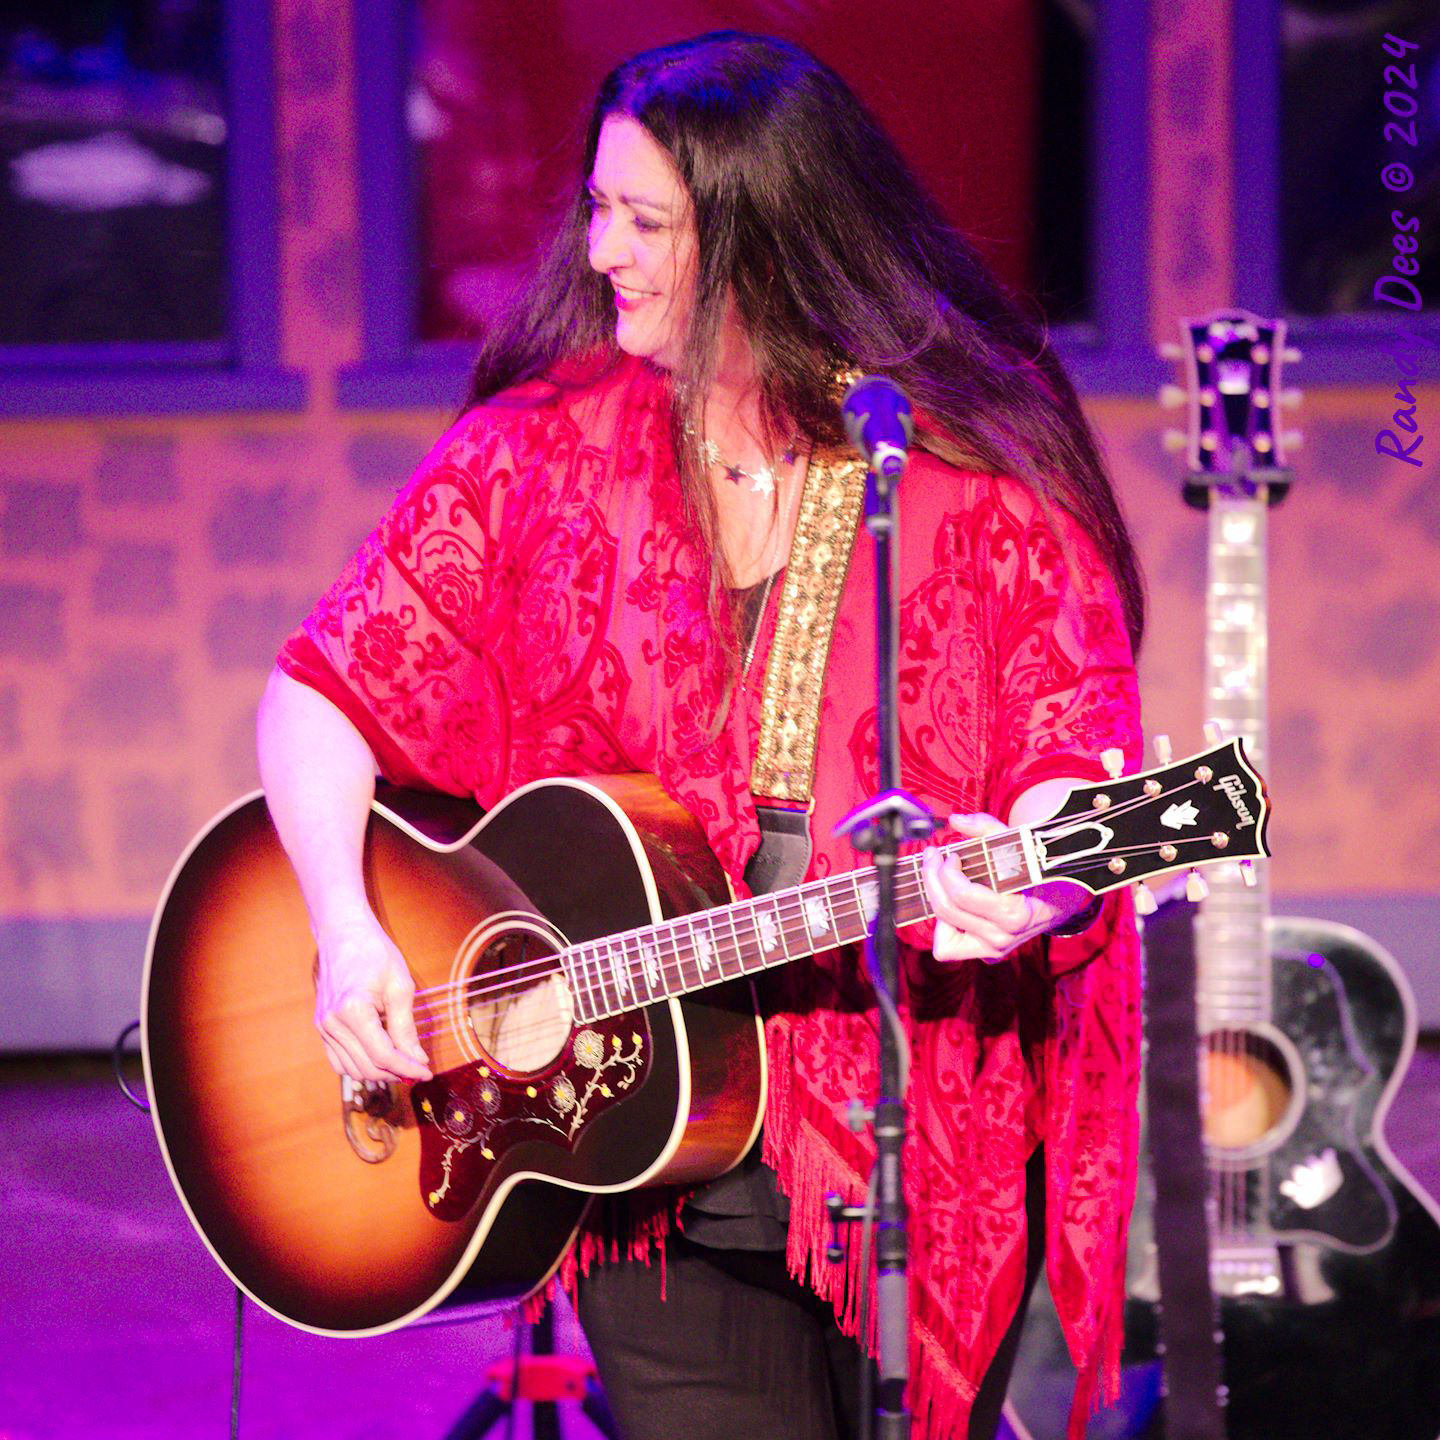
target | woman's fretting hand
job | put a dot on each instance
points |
(977, 923)
(364, 1004)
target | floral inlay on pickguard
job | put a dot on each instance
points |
(468, 1117)
(621, 1063)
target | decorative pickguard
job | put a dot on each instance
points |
(469, 1117)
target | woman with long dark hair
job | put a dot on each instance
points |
(586, 575)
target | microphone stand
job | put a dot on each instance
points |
(879, 828)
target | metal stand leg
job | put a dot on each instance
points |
(544, 1379)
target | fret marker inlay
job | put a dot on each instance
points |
(816, 919)
(1006, 861)
(619, 972)
(769, 931)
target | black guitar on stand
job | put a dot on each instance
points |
(1324, 1254)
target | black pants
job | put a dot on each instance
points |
(738, 1350)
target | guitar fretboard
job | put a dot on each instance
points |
(1233, 982)
(609, 976)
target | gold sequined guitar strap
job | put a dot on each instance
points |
(830, 507)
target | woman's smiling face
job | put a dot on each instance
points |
(642, 238)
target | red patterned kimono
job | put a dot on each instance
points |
(534, 605)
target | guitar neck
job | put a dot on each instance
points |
(1236, 448)
(609, 976)
(1233, 982)
(1199, 811)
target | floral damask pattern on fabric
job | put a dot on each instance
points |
(534, 604)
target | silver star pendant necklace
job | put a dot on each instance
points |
(762, 480)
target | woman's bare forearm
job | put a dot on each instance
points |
(319, 779)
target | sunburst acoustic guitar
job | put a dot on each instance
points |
(582, 993)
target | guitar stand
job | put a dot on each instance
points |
(544, 1379)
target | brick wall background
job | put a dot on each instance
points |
(150, 566)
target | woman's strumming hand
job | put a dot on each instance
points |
(364, 1004)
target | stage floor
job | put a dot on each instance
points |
(115, 1324)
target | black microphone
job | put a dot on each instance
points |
(879, 422)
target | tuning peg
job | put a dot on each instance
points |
(1161, 745)
(1293, 439)
(1144, 900)
(1174, 440)
(1290, 398)
(1170, 350)
(1247, 874)
(1114, 762)
(1290, 355)
(1213, 734)
(1195, 887)
(1172, 397)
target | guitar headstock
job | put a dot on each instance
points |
(1231, 363)
(1208, 809)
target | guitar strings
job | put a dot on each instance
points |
(594, 966)
(1227, 1075)
(963, 850)
(674, 969)
(599, 976)
(907, 863)
(678, 966)
(599, 973)
(683, 951)
(679, 959)
(909, 885)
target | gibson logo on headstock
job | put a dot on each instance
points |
(1233, 788)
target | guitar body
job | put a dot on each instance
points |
(1350, 1347)
(583, 996)
(352, 1210)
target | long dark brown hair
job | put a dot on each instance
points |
(837, 258)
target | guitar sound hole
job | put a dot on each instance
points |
(1245, 1082)
(519, 1010)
